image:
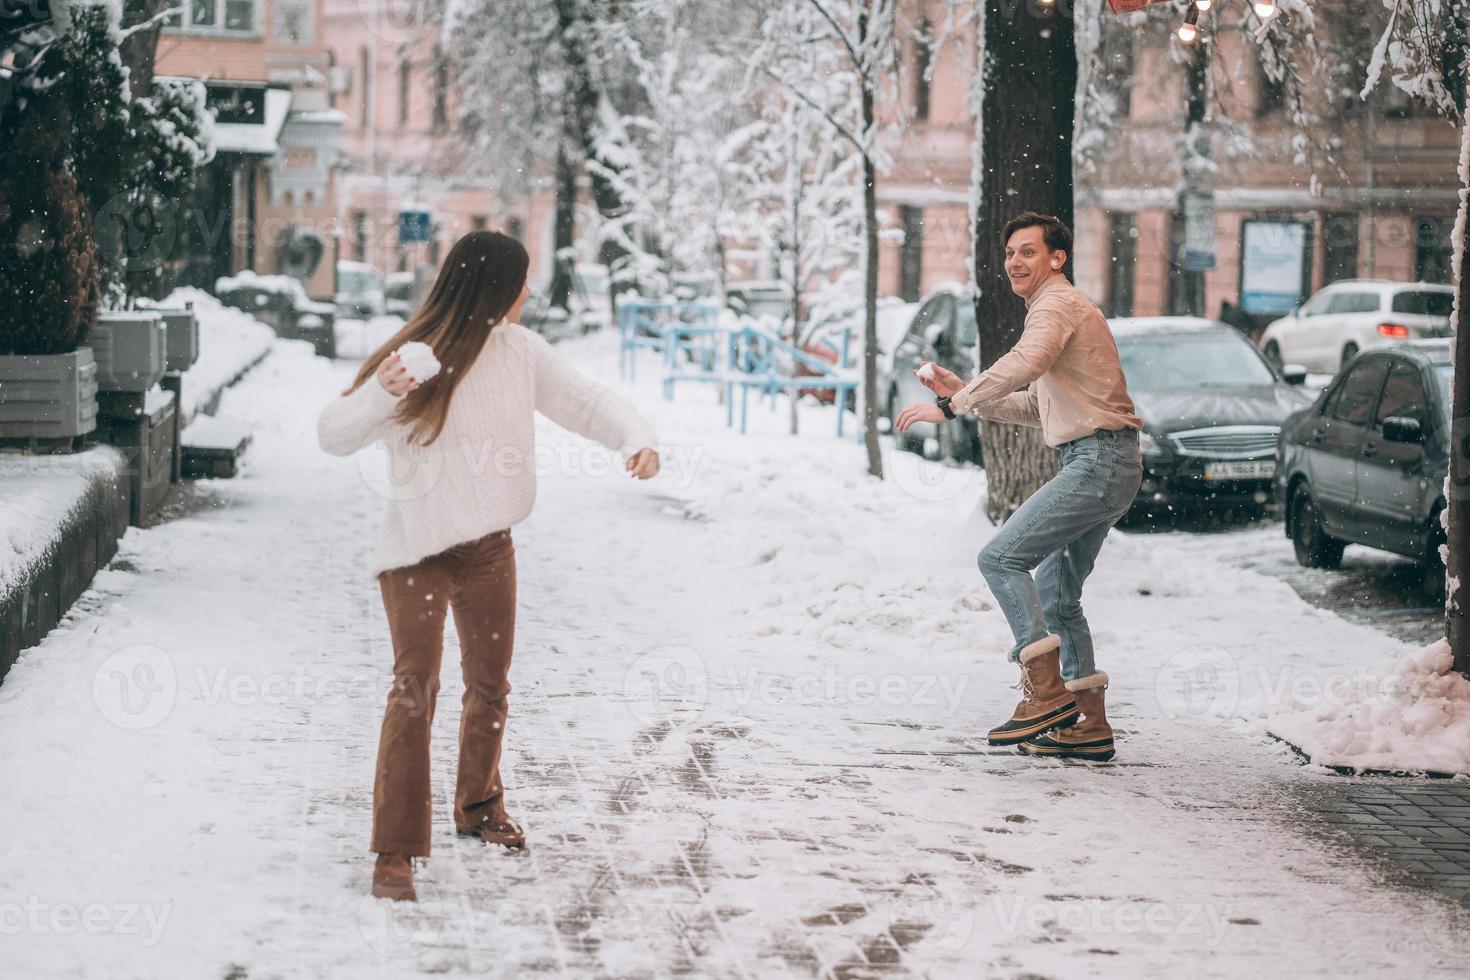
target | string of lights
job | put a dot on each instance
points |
(1189, 31)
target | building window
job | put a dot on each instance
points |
(294, 21)
(441, 90)
(405, 80)
(364, 86)
(923, 62)
(911, 254)
(1339, 247)
(515, 228)
(1432, 249)
(214, 17)
(479, 222)
(1124, 256)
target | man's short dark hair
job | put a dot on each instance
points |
(1054, 232)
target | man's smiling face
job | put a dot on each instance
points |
(1029, 262)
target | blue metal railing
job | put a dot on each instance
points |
(694, 346)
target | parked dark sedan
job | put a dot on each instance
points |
(942, 331)
(1212, 408)
(1366, 463)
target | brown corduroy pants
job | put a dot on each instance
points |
(477, 580)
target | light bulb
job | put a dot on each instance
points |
(1189, 30)
(1265, 9)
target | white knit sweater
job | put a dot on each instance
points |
(479, 476)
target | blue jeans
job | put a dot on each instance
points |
(1058, 531)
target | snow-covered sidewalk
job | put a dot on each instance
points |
(746, 739)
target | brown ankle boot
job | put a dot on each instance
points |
(496, 828)
(1091, 738)
(1045, 701)
(393, 878)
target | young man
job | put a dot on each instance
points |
(1072, 387)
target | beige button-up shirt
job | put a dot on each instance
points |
(1067, 363)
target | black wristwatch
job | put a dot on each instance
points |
(943, 402)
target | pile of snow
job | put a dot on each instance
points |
(1409, 714)
(40, 494)
(230, 341)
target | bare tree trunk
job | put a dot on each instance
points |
(576, 27)
(564, 227)
(870, 277)
(1457, 506)
(139, 50)
(1028, 57)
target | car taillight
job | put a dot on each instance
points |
(1396, 330)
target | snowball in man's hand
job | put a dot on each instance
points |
(926, 371)
(419, 360)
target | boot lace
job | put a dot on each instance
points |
(1028, 692)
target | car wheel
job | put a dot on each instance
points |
(1273, 353)
(1314, 547)
(1349, 351)
(1434, 581)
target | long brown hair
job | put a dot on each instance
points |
(480, 281)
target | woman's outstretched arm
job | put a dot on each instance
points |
(576, 402)
(350, 422)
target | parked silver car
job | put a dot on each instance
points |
(1366, 462)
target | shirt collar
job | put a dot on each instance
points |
(1052, 281)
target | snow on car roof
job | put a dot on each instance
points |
(1132, 326)
(1433, 349)
(1436, 287)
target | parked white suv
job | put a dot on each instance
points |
(1353, 315)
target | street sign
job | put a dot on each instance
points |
(1128, 6)
(1197, 253)
(414, 227)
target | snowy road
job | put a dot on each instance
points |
(746, 739)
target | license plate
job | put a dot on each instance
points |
(1245, 469)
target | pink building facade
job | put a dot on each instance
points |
(268, 199)
(392, 82)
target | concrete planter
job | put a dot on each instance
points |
(130, 347)
(50, 396)
(182, 343)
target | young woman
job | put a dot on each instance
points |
(462, 452)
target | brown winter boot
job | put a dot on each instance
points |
(1045, 701)
(1091, 738)
(496, 828)
(393, 878)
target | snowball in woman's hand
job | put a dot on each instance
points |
(926, 371)
(419, 360)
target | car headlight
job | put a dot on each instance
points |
(1148, 445)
